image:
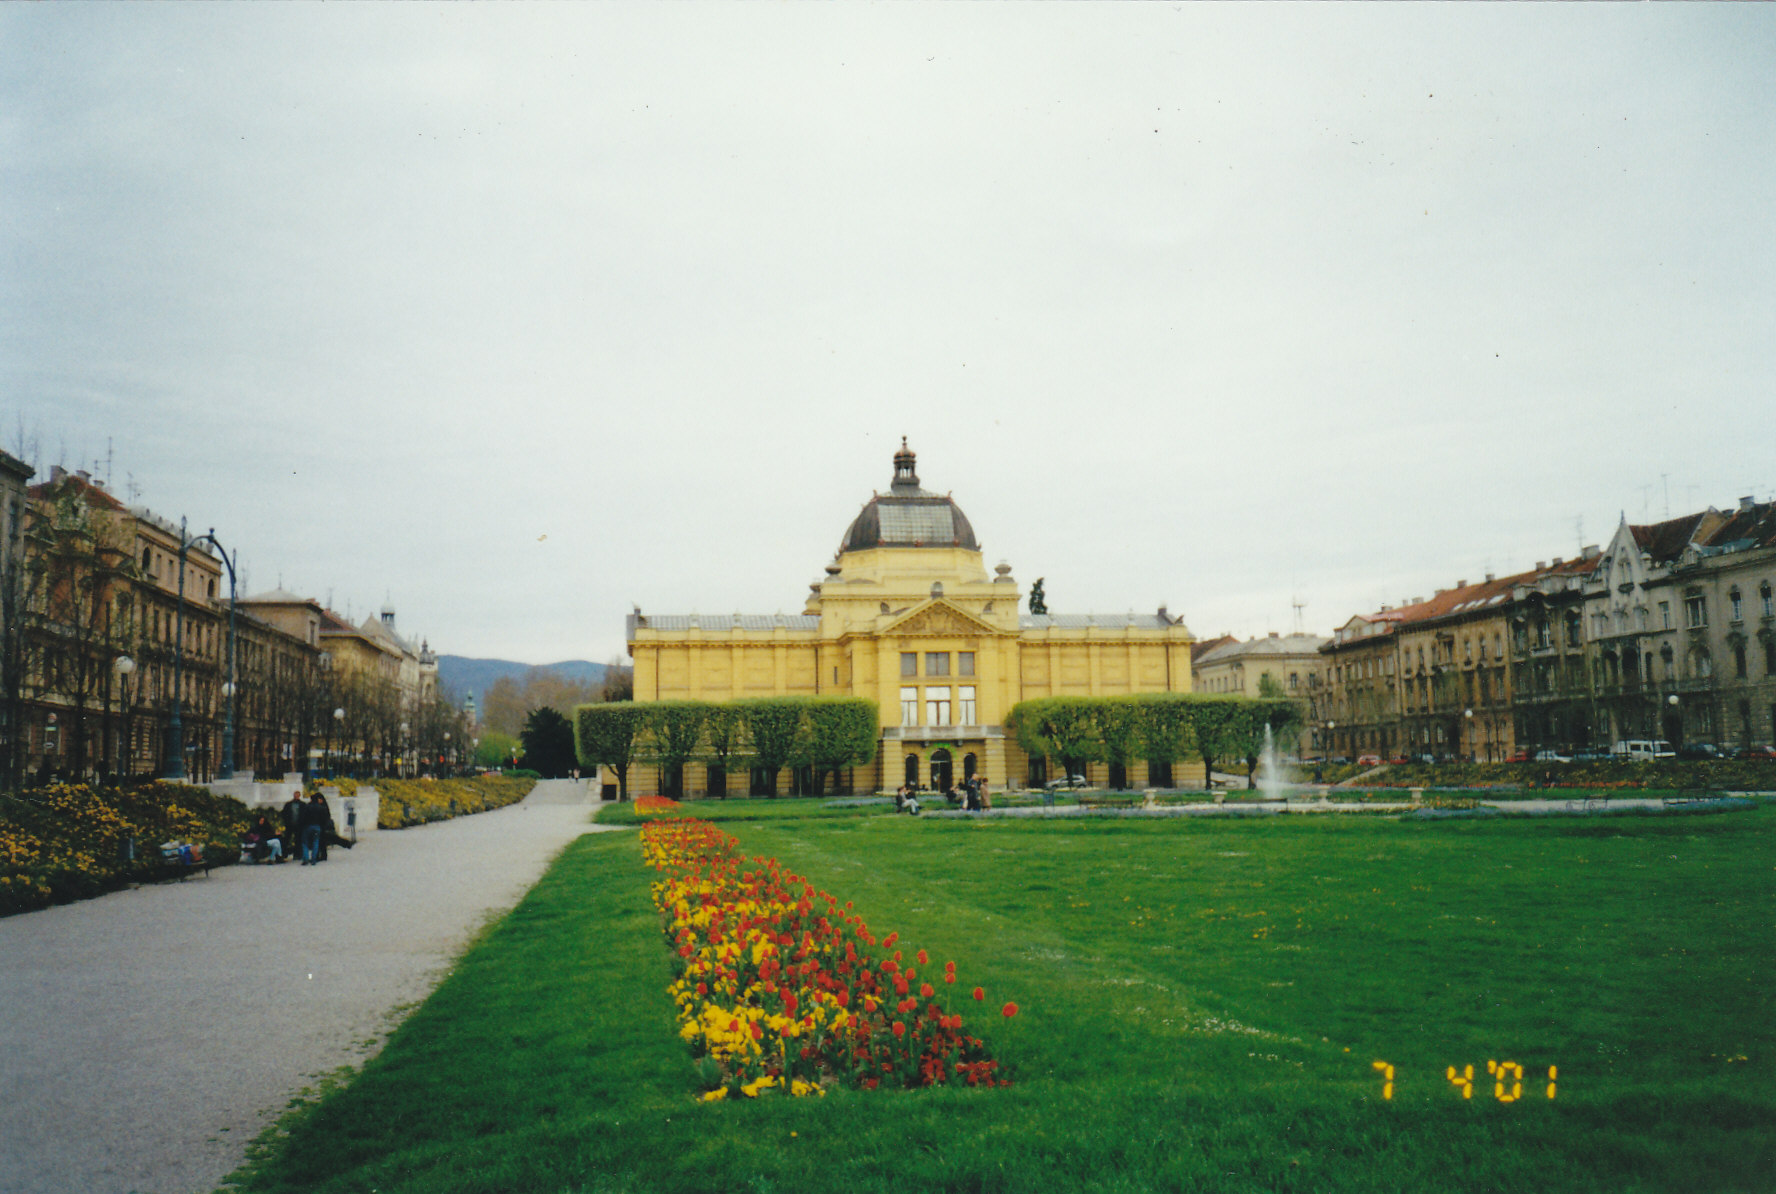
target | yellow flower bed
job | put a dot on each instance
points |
(419, 801)
(71, 841)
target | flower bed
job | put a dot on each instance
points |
(420, 801)
(653, 806)
(777, 986)
(70, 842)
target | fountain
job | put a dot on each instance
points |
(1270, 777)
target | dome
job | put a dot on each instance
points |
(907, 516)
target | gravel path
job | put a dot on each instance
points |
(146, 1037)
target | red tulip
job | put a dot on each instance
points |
(923, 958)
(899, 1029)
(926, 990)
(1009, 1010)
(979, 994)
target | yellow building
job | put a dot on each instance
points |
(909, 617)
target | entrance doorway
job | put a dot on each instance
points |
(968, 767)
(940, 770)
(912, 771)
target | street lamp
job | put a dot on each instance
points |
(406, 748)
(447, 750)
(339, 722)
(176, 724)
(1468, 717)
(125, 667)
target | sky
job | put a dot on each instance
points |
(518, 316)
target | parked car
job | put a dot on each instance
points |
(1700, 751)
(1368, 760)
(1400, 760)
(1765, 754)
(1552, 756)
(1522, 756)
(1590, 755)
(1072, 781)
(1642, 750)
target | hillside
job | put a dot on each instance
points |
(462, 676)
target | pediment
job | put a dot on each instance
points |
(936, 617)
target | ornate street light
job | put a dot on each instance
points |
(176, 724)
(125, 667)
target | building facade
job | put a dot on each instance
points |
(1277, 665)
(909, 617)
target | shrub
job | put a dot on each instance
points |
(69, 842)
(421, 801)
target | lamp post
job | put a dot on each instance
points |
(176, 724)
(1331, 737)
(125, 667)
(406, 749)
(1677, 716)
(339, 723)
(1468, 720)
(447, 752)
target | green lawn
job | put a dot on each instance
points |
(1203, 1002)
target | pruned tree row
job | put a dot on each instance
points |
(822, 734)
(1160, 727)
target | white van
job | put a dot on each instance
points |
(1642, 750)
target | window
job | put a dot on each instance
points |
(909, 663)
(1704, 665)
(1294, 681)
(965, 663)
(909, 706)
(937, 706)
(1541, 634)
(937, 663)
(1696, 612)
(1640, 616)
(1665, 615)
(1738, 608)
(1769, 601)
(148, 559)
(965, 705)
(1770, 658)
(1739, 660)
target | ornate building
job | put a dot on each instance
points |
(909, 617)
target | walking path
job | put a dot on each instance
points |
(146, 1037)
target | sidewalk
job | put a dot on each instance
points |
(149, 1035)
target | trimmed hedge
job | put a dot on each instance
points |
(1160, 727)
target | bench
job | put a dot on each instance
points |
(180, 859)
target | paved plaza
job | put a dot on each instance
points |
(149, 1035)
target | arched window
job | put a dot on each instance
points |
(912, 771)
(1738, 606)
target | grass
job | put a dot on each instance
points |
(1202, 1004)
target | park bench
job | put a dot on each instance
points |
(180, 859)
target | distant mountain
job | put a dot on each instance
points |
(463, 676)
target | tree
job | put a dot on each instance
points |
(76, 609)
(1166, 724)
(1216, 728)
(775, 727)
(548, 740)
(605, 735)
(619, 681)
(841, 732)
(1119, 730)
(724, 744)
(503, 707)
(674, 732)
(496, 749)
(1064, 728)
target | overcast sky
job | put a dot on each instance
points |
(520, 315)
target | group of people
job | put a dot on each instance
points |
(306, 828)
(972, 797)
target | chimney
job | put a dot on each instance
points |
(1745, 503)
(1541, 564)
(1418, 601)
(1273, 634)
(56, 473)
(1556, 562)
(1593, 551)
(1490, 578)
(1461, 584)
